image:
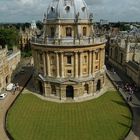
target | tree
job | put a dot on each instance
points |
(39, 24)
(9, 37)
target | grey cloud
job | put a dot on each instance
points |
(27, 10)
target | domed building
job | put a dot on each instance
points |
(69, 56)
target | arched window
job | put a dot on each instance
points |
(52, 60)
(97, 55)
(84, 31)
(52, 9)
(67, 8)
(85, 59)
(69, 60)
(68, 31)
(52, 32)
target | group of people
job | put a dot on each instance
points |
(15, 88)
(130, 88)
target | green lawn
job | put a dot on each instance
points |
(105, 118)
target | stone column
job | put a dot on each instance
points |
(103, 57)
(100, 59)
(57, 65)
(80, 63)
(48, 64)
(45, 89)
(93, 62)
(76, 64)
(62, 65)
(34, 57)
(37, 58)
(59, 31)
(89, 62)
(44, 63)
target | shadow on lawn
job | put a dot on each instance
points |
(126, 117)
(120, 103)
(125, 125)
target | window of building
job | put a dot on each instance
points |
(85, 70)
(41, 70)
(67, 8)
(83, 9)
(24, 40)
(52, 9)
(52, 32)
(68, 31)
(53, 88)
(86, 88)
(84, 31)
(96, 67)
(69, 60)
(52, 60)
(85, 59)
(69, 71)
(41, 58)
(53, 72)
(97, 55)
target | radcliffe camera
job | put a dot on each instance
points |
(69, 70)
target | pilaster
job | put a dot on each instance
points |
(48, 64)
(57, 65)
(76, 64)
(62, 65)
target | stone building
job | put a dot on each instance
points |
(124, 54)
(69, 56)
(8, 63)
(26, 35)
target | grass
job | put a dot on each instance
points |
(105, 118)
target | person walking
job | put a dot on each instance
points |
(130, 98)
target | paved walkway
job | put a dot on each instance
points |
(22, 79)
(134, 133)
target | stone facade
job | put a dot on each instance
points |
(124, 54)
(26, 35)
(8, 63)
(68, 58)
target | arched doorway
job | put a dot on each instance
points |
(69, 91)
(86, 88)
(40, 87)
(98, 86)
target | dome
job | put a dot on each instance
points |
(67, 9)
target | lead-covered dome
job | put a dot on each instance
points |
(67, 9)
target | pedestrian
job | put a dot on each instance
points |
(127, 99)
(130, 98)
(17, 86)
(14, 89)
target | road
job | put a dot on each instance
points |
(21, 79)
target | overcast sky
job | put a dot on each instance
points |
(28, 10)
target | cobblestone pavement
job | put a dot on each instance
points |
(134, 133)
(22, 79)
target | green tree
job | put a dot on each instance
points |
(39, 24)
(9, 37)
